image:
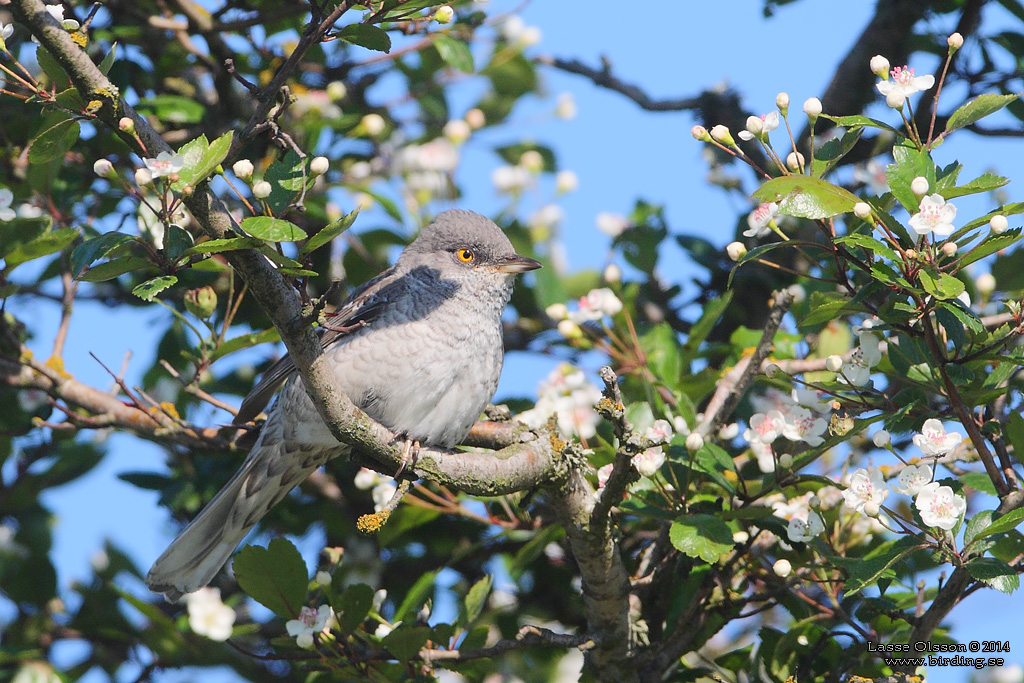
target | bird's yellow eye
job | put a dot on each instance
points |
(465, 255)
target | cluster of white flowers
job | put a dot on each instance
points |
(759, 126)
(795, 417)
(595, 305)
(319, 103)
(567, 394)
(427, 168)
(515, 30)
(512, 180)
(383, 487)
(310, 622)
(857, 370)
(208, 616)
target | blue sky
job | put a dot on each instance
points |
(619, 152)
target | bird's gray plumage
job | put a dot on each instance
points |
(418, 348)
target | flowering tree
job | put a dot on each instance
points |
(645, 534)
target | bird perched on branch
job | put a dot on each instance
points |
(418, 348)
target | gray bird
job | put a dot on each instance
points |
(418, 348)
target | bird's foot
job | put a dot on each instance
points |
(409, 455)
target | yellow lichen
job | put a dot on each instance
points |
(170, 409)
(371, 524)
(56, 363)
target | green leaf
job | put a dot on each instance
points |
(108, 60)
(245, 341)
(172, 109)
(198, 167)
(114, 268)
(272, 229)
(225, 244)
(661, 350)
(148, 290)
(703, 536)
(328, 233)
(865, 572)
(92, 250)
(1014, 432)
(805, 197)
(990, 245)
(945, 287)
(353, 606)
(823, 307)
(860, 121)
(1007, 522)
(274, 576)
(365, 35)
(995, 573)
(976, 525)
(986, 182)
(417, 595)
(44, 245)
(475, 600)
(455, 53)
(833, 151)
(406, 640)
(910, 163)
(288, 178)
(699, 331)
(54, 142)
(978, 108)
(21, 231)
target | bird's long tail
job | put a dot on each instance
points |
(267, 475)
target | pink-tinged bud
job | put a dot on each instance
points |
(834, 363)
(895, 99)
(862, 210)
(812, 107)
(261, 189)
(795, 161)
(782, 102)
(880, 67)
(955, 42)
(998, 224)
(700, 133)
(919, 186)
(949, 249)
(319, 165)
(475, 118)
(736, 250)
(782, 568)
(722, 134)
(694, 442)
(126, 125)
(104, 169)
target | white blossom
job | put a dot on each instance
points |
(760, 126)
(764, 455)
(935, 215)
(566, 107)
(904, 82)
(567, 394)
(802, 425)
(310, 622)
(242, 168)
(934, 440)
(649, 461)
(612, 224)
(597, 304)
(765, 427)
(760, 220)
(511, 179)
(804, 530)
(912, 479)
(865, 486)
(566, 181)
(208, 616)
(998, 224)
(939, 506)
(6, 199)
(872, 174)
(382, 494)
(164, 164)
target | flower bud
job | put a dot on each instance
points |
(896, 99)
(242, 168)
(457, 131)
(557, 311)
(986, 284)
(566, 181)
(721, 134)
(782, 568)
(785, 461)
(736, 250)
(955, 41)
(834, 363)
(795, 161)
(201, 302)
(104, 169)
(740, 537)
(862, 210)
(373, 124)
(569, 330)
(319, 165)
(949, 249)
(755, 125)
(782, 102)
(796, 292)
(998, 224)
(532, 161)
(612, 274)
(694, 442)
(143, 176)
(323, 578)
(336, 90)
(475, 118)
(771, 370)
(880, 67)
(812, 107)
(126, 125)
(444, 15)
(700, 133)
(919, 186)
(871, 508)
(261, 189)
(881, 438)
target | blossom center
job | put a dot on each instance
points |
(902, 75)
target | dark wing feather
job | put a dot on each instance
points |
(362, 307)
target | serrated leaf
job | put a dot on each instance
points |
(225, 244)
(703, 536)
(832, 152)
(245, 341)
(406, 640)
(416, 596)
(945, 286)
(274, 576)
(805, 197)
(860, 121)
(353, 606)
(455, 53)
(148, 290)
(986, 182)
(365, 35)
(910, 163)
(202, 159)
(272, 229)
(54, 142)
(288, 177)
(995, 573)
(44, 245)
(328, 233)
(475, 600)
(977, 109)
(870, 243)
(92, 250)
(977, 524)
(990, 245)
(1007, 522)
(866, 571)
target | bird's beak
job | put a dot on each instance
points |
(517, 264)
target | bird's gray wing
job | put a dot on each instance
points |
(361, 308)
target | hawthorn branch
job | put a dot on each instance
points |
(527, 637)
